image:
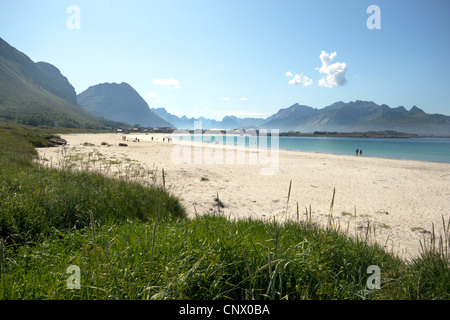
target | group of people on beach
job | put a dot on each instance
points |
(359, 151)
(164, 139)
(124, 138)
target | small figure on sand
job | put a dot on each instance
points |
(360, 152)
(357, 150)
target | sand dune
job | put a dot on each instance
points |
(400, 199)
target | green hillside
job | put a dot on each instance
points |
(38, 94)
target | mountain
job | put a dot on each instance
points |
(228, 122)
(353, 116)
(119, 102)
(358, 116)
(184, 122)
(289, 118)
(57, 83)
(38, 94)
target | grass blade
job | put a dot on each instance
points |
(289, 196)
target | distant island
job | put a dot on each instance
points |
(368, 134)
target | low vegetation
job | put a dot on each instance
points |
(133, 241)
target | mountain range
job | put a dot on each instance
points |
(358, 116)
(354, 116)
(228, 122)
(39, 94)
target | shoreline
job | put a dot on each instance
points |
(399, 199)
(325, 153)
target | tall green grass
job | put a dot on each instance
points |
(209, 257)
(36, 200)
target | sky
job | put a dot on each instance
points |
(247, 58)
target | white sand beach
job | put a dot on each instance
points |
(401, 199)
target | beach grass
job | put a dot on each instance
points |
(36, 199)
(133, 241)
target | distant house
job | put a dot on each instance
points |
(163, 130)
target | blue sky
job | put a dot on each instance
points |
(214, 58)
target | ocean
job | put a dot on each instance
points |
(423, 149)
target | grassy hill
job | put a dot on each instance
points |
(38, 94)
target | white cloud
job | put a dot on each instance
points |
(167, 82)
(300, 79)
(335, 73)
(226, 99)
(243, 99)
(289, 74)
(150, 95)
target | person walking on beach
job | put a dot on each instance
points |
(357, 150)
(360, 152)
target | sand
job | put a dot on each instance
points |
(399, 199)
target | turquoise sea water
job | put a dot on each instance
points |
(423, 149)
